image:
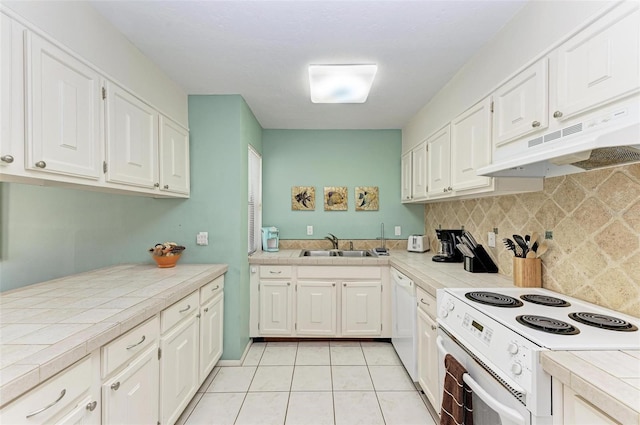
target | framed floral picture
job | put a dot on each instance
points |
(335, 198)
(366, 198)
(303, 198)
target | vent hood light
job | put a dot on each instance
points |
(341, 83)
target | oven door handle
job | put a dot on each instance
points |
(504, 411)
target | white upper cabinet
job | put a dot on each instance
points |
(419, 175)
(439, 163)
(405, 166)
(132, 139)
(11, 95)
(601, 63)
(63, 112)
(471, 146)
(174, 157)
(521, 105)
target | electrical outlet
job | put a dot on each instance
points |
(491, 239)
(398, 230)
(202, 238)
(309, 230)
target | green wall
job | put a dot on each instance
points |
(48, 232)
(322, 158)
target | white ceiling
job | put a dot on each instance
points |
(261, 49)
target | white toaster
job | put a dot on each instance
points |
(418, 243)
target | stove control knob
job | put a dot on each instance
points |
(513, 348)
(451, 306)
(516, 368)
(444, 312)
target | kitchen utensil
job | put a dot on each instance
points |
(465, 250)
(534, 237)
(471, 239)
(522, 244)
(511, 246)
(542, 248)
(534, 247)
(531, 254)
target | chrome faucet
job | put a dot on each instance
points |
(333, 239)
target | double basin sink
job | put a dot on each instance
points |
(337, 253)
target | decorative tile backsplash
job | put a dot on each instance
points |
(390, 244)
(595, 219)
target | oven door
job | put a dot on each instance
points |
(493, 404)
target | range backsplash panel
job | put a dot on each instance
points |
(595, 219)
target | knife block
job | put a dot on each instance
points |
(527, 272)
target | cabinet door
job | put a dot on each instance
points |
(419, 176)
(63, 112)
(131, 397)
(316, 308)
(85, 412)
(132, 140)
(275, 308)
(405, 165)
(579, 411)
(601, 63)
(521, 106)
(11, 96)
(439, 162)
(211, 332)
(471, 146)
(428, 358)
(361, 308)
(179, 369)
(174, 157)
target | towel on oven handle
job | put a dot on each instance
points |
(457, 408)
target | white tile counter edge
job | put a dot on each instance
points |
(26, 374)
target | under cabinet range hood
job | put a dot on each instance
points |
(607, 137)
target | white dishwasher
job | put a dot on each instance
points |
(404, 335)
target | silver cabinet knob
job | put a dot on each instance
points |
(41, 164)
(92, 406)
(115, 386)
(6, 158)
(535, 124)
(156, 185)
(166, 186)
(557, 114)
(433, 328)
(206, 310)
(444, 190)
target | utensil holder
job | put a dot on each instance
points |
(527, 272)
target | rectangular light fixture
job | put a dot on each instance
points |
(341, 83)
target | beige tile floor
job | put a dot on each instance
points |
(310, 383)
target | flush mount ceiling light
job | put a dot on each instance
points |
(341, 83)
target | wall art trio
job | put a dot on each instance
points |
(303, 198)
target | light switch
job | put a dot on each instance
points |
(202, 238)
(398, 230)
(309, 230)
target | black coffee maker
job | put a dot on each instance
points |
(448, 253)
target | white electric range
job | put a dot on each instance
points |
(499, 333)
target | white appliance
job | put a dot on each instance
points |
(418, 243)
(500, 345)
(404, 333)
(605, 137)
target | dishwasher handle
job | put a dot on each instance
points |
(505, 412)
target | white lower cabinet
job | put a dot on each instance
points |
(361, 308)
(70, 397)
(275, 308)
(179, 362)
(427, 349)
(211, 332)
(316, 308)
(131, 396)
(570, 408)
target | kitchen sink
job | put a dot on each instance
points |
(336, 253)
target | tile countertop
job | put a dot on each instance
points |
(48, 326)
(607, 379)
(610, 380)
(427, 274)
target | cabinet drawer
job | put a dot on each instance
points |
(426, 302)
(178, 311)
(278, 272)
(127, 346)
(211, 289)
(339, 272)
(53, 398)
